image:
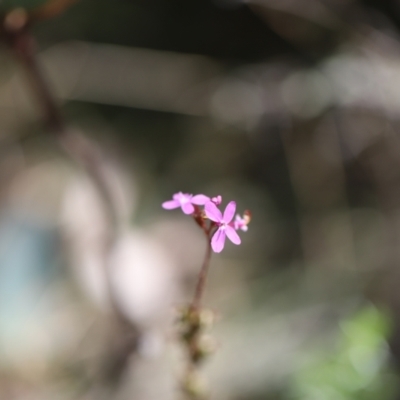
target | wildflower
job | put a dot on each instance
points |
(185, 201)
(224, 225)
(242, 222)
(217, 200)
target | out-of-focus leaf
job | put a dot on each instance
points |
(358, 369)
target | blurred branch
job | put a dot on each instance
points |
(17, 36)
(194, 321)
(15, 33)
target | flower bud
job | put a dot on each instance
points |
(204, 347)
(194, 386)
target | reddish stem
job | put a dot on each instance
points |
(201, 282)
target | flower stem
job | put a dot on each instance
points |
(201, 282)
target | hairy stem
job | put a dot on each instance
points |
(201, 282)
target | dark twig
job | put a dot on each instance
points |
(18, 37)
(201, 282)
(15, 33)
(194, 321)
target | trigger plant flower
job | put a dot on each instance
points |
(215, 224)
(242, 222)
(216, 227)
(186, 201)
(217, 200)
(223, 222)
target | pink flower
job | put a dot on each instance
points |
(185, 201)
(217, 200)
(241, 223)
(223, 222)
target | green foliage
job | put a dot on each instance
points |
(357, 370)
(28, 4)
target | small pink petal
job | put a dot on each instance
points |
(240, 223)
(187, 208)
(229, 212)
(212, 212)
(232, 235)
(200, 199)
(217, 200)
(218, 241)
(170, 204)
(182, 197)
(177, 196)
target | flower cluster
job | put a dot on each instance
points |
(221, 225)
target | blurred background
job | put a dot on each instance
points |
(289, 107)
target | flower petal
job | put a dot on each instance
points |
(212, 212)
(170, 204)
(200, 199)
(187, 208)
(229, 212)
(182, 197)
(232, 235)
(217, 200)
(218, 241)
(177, 196)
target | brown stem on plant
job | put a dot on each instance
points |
(202, 278)
(195, 321)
